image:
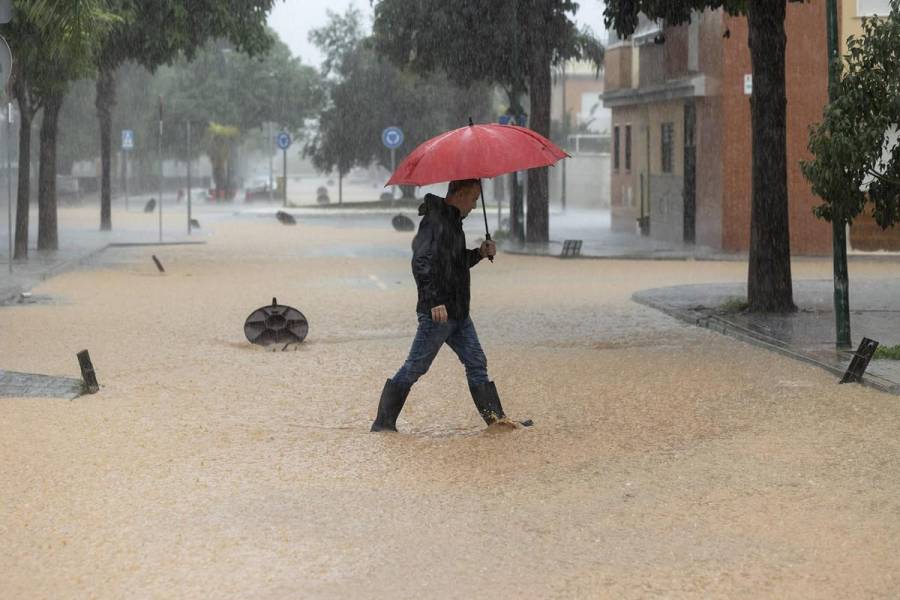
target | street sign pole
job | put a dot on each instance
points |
(5, 69)
(283, 140)
(189, 176)
(127, 145)
(125, 178)
(392, 138)
(271, 162)
(160, 154)
(393, 168)
(9, 179)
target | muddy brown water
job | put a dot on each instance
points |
(666, 461)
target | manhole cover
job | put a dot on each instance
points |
(276, 324)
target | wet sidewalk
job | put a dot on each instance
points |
(80, 240)
(599, 241)
(806, 335)
(592, 228)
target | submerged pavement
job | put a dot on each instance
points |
(666, 460)
(809, 333)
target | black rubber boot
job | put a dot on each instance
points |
(487, 401)
(389, 407)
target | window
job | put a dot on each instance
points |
(869, 8)
(616, 148)
(668, 133)
(628, 147)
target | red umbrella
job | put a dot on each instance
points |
(476, 152)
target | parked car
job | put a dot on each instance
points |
(258, 190)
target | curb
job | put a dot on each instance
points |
(141, 244)
(74, 263)
(602, 256)
(727, 328)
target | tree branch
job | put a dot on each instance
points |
(883, 177)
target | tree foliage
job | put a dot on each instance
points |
(53, 43)
(159, 32)
(366, 93)
(512, 43)
(470, 40)
(232, 88)
(855, 147)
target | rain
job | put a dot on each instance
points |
(425, 299)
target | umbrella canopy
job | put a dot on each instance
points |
(476, 152)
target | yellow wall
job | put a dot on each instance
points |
(850, 23)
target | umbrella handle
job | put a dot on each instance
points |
(487, 232)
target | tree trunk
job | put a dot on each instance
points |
(22, 95)
(538, 220)
(104, 103)
(219, 176)
(23, 191)
(769, 277)
(48, 238)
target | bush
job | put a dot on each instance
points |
(734, 305)
(888, 352)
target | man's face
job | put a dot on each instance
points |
(468, 199)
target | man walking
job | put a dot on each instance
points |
(440, 266)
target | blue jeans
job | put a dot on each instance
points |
(430, 336)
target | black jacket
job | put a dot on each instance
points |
(441, 261)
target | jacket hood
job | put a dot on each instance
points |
(431, 204)
(436, 205)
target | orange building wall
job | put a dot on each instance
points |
(806, 79)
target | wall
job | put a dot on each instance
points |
(868, 236)
(625, 190)
(807, 95)
(587, 182)
(806, 80)
(709, 133)
(666, 200)
(617, 68)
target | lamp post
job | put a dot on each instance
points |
(516, 213)
(160, 157)
(565, 131)
(189, 177)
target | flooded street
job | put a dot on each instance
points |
(665, 460)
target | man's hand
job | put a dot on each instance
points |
(439, 314)
(488, 248)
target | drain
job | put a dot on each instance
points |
(276, 324)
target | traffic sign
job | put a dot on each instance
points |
(392, 137)
(5, 11)
(127, 139)
(508, 119)
(283, 140)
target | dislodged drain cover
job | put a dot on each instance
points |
(276, 324)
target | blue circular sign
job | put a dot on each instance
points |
(392, 137)
(283, 140)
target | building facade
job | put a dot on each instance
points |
(865, 233)
(681, 134)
